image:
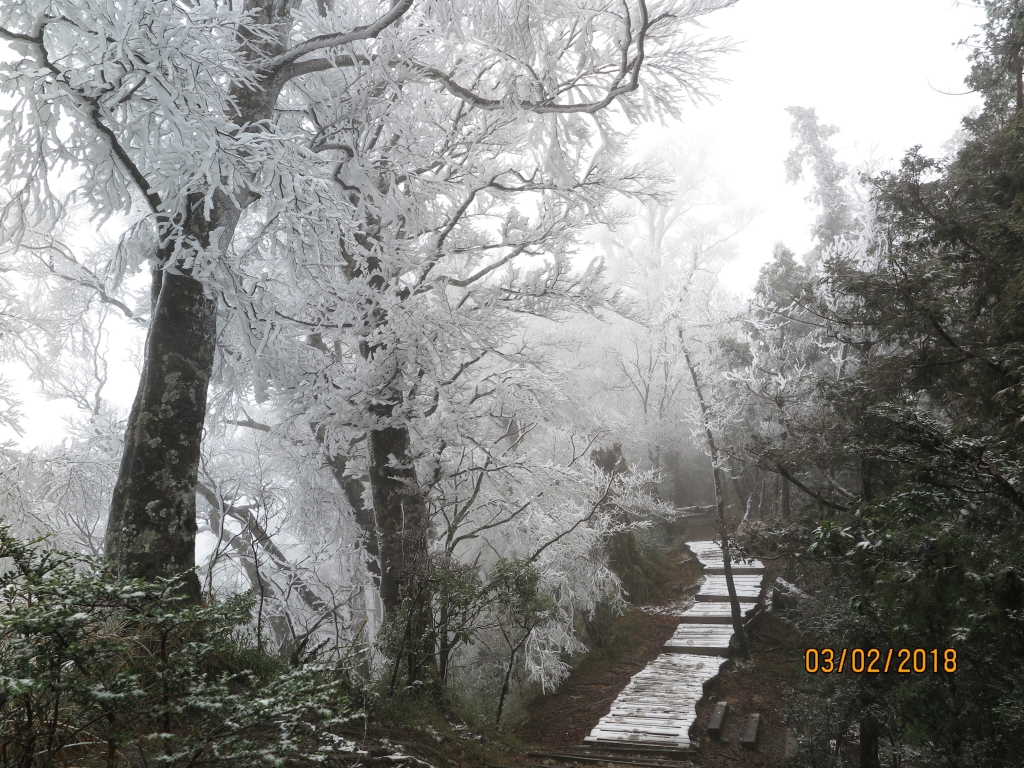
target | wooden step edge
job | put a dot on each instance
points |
(639, 748)
(598, 757)
(716, 620)
(677, 746)
(697, 650)
(724, 599)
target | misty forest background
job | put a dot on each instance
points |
(432, 357)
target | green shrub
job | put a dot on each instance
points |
(105, 671)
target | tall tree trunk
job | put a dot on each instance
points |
(403, 524)
(353, 490)
(505, 686)
(866, 487)
(401, 514)
(868, 726)
(868, 740)
(151, 530)
(786, 504)
(444, 646)
(734, 602)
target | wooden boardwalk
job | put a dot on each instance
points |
(659, 705)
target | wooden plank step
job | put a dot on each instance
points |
(701, 650)
(651, 733)
(703, 639)
(712, 613)
(672, 737)
(640, 737)
(669, 687)
(708, 647)
(715, 558)
(669, 713)
(678, 724)
(678, 706)
(688, 631)
(668, 681)
(653, 689)
(674, 714)
(673, 724)
(675, 744)
(725, 598)
(749, 594)
(737, 570)
(663, 695)
(749, 737)
(662, 719)
(712, 550)
(651, 685)
(752, 581)
(720, 588)
(646, 751)
(591, 756)
(698, 547)
(681, 666)
(668, 677)
(662, 703)
(707, 548)
(668, 697)
(709, 556)
(655, 701)
(717, 718)
(680, 663)
(622, 731)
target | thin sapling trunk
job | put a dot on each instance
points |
(737, 616)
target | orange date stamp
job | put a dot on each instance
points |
(877, 661)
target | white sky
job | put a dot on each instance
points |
(877, 69)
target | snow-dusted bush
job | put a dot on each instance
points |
(117, 669)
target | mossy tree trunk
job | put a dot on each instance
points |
(151, 528)
(403, 525)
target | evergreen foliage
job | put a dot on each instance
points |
(102, 671)
(905, 436)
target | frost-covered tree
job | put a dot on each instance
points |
(667, 375)
(631, 375)
(240, 138)
(795, 347)
(831, 177)
(58, 317)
